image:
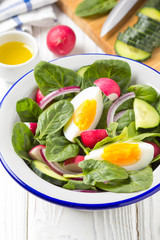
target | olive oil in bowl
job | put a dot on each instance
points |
(13, 53)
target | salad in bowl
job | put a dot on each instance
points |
(90, 130)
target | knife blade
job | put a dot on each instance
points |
(117, 14)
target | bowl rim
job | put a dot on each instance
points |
(98, 206)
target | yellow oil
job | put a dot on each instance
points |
(13, 53)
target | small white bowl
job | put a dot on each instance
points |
(10, 73)
(20, 172)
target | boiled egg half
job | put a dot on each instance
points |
(132, 156)
(88, 107)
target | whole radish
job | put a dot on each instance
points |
(61, 40)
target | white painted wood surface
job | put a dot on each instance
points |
(26, 217)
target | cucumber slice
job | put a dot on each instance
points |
(146, 18)
(147, 31)
(146, 115)
(135, 43)
(125, 50)
(153, 4)
(43, 171)
(151, 12)
(149, 25)
(82, 70)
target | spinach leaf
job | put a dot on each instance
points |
(115, 69)
(157, 105)
(125, 106)
(53, 118)
(100, 171)
(22, 140)
(155, 159)
(79, 185)
(86, 150)
(59, 149)
(137, 181)
(89, 8)
(111, 130)
(125, 120)
(50, 77)
(28, 110)
(103, 120)
(144, 92)
(143, 136)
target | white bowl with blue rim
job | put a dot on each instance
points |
(23, 175)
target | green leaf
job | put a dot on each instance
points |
(22, 140)
(115, 69)
(111, 130)
(125, 106)
(79, 185)
(125, 120)
(50, 77)
(137, 181)
(28, 110)
(144, 92)
(89, 8)
(100, 171)
(59, 149)
(86, 150)
(155, 159)
(142, 136)
(53, 118)
(157, 105)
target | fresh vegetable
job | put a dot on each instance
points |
(109, 87)
(61, 40)
(43, 171)
(91, 137)
(146, 115)
(89, 8)
(39, 96)
(35, 153)
(71, 164)
(69, 142)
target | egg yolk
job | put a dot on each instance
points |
(85, 114)
(122, 154)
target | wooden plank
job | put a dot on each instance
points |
(92, 26)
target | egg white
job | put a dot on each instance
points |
(147, 151)
(71, 130)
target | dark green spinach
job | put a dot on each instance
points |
(22, 140)
(89, 8)
(103, 120)
(125, 120)
(79, 185)
(50, 77)
(28, 110)
(59, 149)
(137, 181)
(85, 150)
(53, 119)
(117, 70)
(100, 171)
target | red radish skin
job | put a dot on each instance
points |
(109, 87)
(32, 127)
(156, 148)
(61, 40)
(90, 137)
(71, 164)
(39, 96)
(35, 153)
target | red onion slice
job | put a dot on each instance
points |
(48, 98)
(118, 115)
(116, 104)
(56, 167)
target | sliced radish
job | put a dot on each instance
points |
(61, 91)
(91, 137)
(116, 104)
(39, 96)
(109, 87)
(71, 164)
(35, 153)
(56, 167)
(156, 148)
(32, 127)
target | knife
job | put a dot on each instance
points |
(117, 13)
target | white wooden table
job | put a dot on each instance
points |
(26, 217)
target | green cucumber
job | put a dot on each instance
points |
(147, 31)
(125, 50)
(151, 12)
(149, 25)
(43, 171)
(82, 70)
(146, 116)
(135, 43)
(153, 4)
(146, 18)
